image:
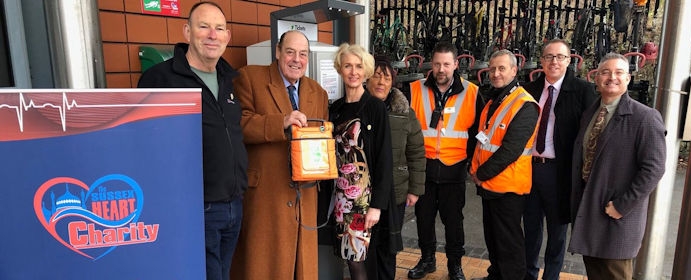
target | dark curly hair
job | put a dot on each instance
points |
(384, 64)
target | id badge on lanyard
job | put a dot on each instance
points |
(482, 137)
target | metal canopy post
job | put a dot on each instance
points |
(313, 12)
(671, 76)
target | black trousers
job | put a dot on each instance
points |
(501, 220)
(542, 205)
(383, 265)
(447, 199)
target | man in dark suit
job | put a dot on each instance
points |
(557, 129)
(619, 158)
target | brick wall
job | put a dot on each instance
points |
(124, 28)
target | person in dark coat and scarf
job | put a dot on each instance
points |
(408, 162)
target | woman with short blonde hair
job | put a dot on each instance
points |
(363, 148)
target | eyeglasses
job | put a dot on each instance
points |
(559, 57)
(381, 77)
(608, 73)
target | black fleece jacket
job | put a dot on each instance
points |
(224, 154)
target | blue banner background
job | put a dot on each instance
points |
(162, 155)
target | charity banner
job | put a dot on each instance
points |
(101, 184)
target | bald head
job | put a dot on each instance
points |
(292, 54)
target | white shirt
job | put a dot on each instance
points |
(549, 134)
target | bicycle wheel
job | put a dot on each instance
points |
(602, 44)
(582, 35)
(399, 43)
(377, 38)
(421, 39)
(638, 27)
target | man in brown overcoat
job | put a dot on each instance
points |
(278, 239)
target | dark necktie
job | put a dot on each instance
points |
(592, 142)
(544, 119)
(292, 92)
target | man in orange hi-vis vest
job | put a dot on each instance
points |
(501, 166)
(447, 108)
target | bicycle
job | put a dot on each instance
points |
(603, 37)
(502, 37)
(463, 33)
(483, 46)
(471, 30)
(465, 63)
(389, 39)
(554, 30)
(525, 30)
(638, 26)
(428, 28)
(582, 35)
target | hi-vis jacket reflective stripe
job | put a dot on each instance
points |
(517, 177)
(449, 140)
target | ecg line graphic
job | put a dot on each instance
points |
(67, 105)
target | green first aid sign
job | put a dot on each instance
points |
(161, 7)
(151, 6)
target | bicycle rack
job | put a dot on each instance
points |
(471, 57)
(470, 66)
(579, 65)
(590, 73)
(633, 66)
(480, 64)
(398, 64)
(479, 75)
(412, 76)
(532, 74)
(420, 58)
(640, 87)
(522, 60)
(530, 64)
(640, 64)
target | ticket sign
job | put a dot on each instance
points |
(161, 7)
(309, 29)
(101, 184)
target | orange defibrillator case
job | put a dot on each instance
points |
(313, 152)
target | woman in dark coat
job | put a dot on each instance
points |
(409, 162)
(363, 147)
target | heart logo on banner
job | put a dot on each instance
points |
(92, 220)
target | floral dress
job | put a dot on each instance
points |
(352, 192)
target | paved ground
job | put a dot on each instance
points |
(477, 253)
(472, 267)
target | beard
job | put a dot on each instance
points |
(442, 79)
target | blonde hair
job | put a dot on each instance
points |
(359, 51)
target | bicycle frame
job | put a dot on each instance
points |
(638, 24)
(582, 34)
(554, 23)
(603, 36)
